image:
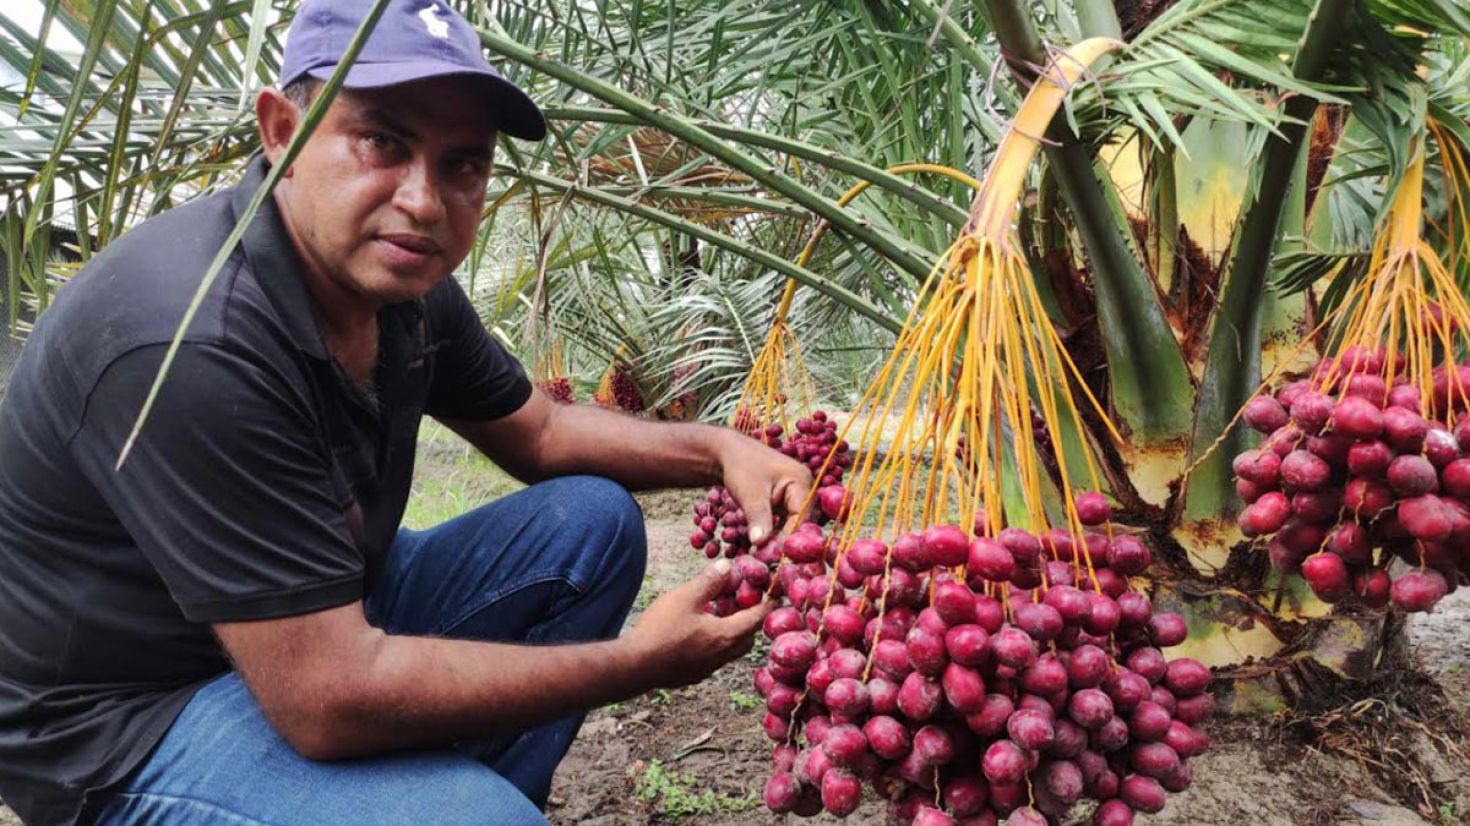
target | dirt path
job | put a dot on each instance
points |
(1442, 645)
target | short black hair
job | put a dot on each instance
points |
(302, 91)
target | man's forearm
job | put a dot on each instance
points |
(543, 440)
(638, 454)
(429, 692)
(336, 687)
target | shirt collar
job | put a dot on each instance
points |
(275, 263)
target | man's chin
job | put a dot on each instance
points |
(395, 288)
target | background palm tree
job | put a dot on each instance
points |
(1206, 190)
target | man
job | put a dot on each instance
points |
(230, 628)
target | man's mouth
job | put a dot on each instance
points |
(417, 244)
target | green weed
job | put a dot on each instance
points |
(743, 701)
(671, 793)
(646, 594)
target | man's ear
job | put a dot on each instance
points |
(277, 117)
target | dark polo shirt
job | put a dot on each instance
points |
(264, 484)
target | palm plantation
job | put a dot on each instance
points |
(1208, 194)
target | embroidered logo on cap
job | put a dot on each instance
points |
(437, 28)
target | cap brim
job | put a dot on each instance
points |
(511, 108)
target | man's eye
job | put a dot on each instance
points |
(380, 142)
(469, 167)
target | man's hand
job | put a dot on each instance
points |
(681, 643)
(760, 478)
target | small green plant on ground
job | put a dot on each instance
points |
(670, 793)
(646, 594)
(661, 697)
(743, 701)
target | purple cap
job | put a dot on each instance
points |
(414, 39)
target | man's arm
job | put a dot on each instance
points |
(337, 688)
(544, 439)
(241, 522)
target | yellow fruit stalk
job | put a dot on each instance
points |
(1409, 304)
(779, 376)
(971, 404)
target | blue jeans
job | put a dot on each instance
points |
(560, 561)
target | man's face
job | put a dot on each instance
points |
(385, 196)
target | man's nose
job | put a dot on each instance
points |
(418, 195)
